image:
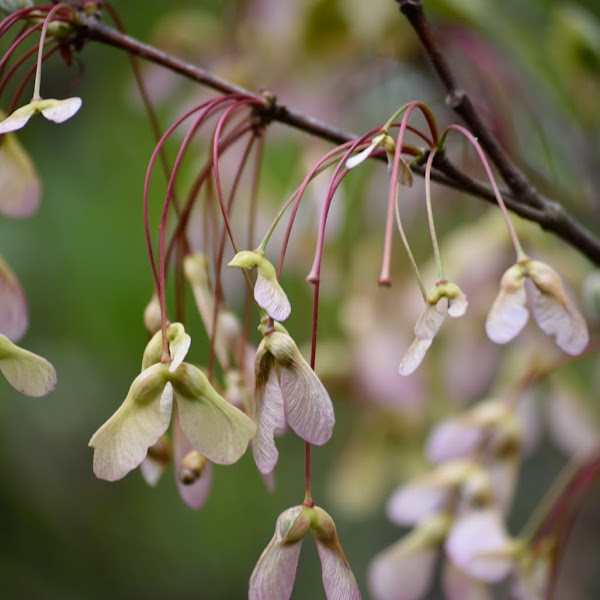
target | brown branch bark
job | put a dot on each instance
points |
(522, 198)
(459, 101)
(526, 200)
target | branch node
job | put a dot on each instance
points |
(455, 98)
(264, 114)
(553, 212)
(407, 6)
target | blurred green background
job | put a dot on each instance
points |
(82, 262)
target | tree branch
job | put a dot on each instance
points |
(458, 100)
(522, 198)
(526, 200)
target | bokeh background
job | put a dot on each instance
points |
(534, 70)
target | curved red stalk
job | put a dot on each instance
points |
(558, 522)
(219, 259)
(308, 501)
(24, 13)
(13, 47)
(384, 276)
(301, 189)
(151, 163)
(246, 323)
(315, 273)
(158, 274)
(417, 132)
(163, 222)
(148, 106)
(488, 171)
(201, 178)
(247, 101)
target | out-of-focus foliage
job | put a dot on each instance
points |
(533, 69)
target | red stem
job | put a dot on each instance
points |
(248, 300)
(246, 101)
(163, 221)
(159, 275)
(201, 178)
(148, 106)
(385, 276)
(315, 273)
(220, 253)
(352, 145)
(14, 68)
(24, 14)
(308, 501)
(11, 50)
(209, 105)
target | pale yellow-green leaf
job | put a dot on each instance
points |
(27, 372)
(122, 443)
(214, 427)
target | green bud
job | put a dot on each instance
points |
(388, 143)
(268, 293)
(282, 347)
(247, 259)
(443, 289)
(179, 343)
(322, 527)
(293, 524)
